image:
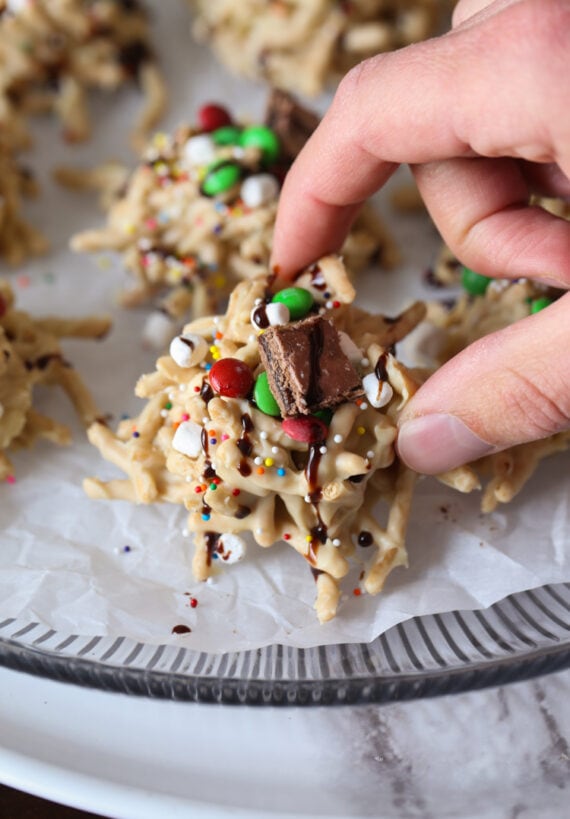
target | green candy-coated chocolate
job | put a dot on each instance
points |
(324, 415)
(537, 305)
(220, 177)
(297, 299)
(262, 137)
(474, 283)
(263, 396)
(226, 135)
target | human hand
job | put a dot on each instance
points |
(482, 115)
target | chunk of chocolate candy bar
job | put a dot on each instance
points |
(292, 123)
(306, 367)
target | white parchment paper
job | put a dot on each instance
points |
(63, 561)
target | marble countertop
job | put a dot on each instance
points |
(500, 753)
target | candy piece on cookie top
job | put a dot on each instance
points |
(227, 160)
(307, 368)
(212, 116)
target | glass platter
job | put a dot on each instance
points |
(525, 635)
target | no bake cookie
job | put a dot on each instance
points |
(212, 436)
(197, 215)
(31, 355)
(53, 52)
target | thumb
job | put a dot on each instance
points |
(507, 388)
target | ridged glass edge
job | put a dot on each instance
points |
(379, 690)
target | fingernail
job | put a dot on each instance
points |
(435, 443)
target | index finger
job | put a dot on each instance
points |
(444, 98)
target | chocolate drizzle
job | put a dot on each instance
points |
(318, 280)
(188, 342)
(211, 539)
(206, 508)
(204, 442)
(315, 393)
(244, 443)
(356, 478)
(244, 468)
(311, 472)
(209, 471)
(365, 539)
(206, 392)
(319, 532)
(43, 362)
(259, 317)
(181, 629)
(271, 281)
(132, 57)
(380, 370)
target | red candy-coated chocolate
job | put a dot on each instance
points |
(211, 117)
(305, 428)
(231, 377)
(3, 307)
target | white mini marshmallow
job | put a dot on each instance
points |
(158, 330)
(379, 393)
(277, 313)
(233, 548)
(188, 439)
(199, 150)
(188, 349)
(259, 190)
(349, 348)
